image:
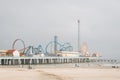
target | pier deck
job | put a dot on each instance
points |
(52, 60)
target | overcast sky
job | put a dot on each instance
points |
(37, 21)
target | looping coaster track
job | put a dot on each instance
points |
(13, 45)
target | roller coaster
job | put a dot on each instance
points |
(50, 48)
(60, 47)
(31, 50)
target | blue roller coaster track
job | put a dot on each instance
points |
(62, 47)
(31, 50)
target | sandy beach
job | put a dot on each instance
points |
(60, 73)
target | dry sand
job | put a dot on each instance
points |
(60, 73)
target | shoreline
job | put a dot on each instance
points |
(59, 73)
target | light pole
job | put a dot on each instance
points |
(78, 35)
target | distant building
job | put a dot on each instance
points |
(68, 54)
(14, 53)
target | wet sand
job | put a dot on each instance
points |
(60, 73)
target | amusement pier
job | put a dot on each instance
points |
(57, 54)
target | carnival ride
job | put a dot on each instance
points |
(51, 48)
(60, 47)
